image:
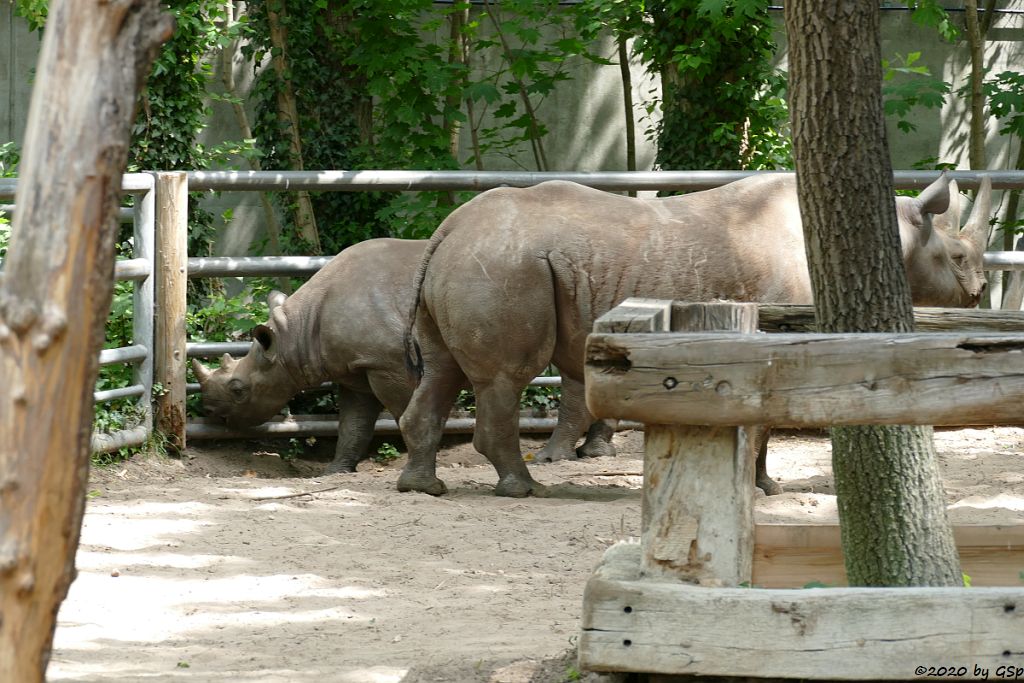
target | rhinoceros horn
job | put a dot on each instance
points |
(978, 226)
(226, 361)
(202, 372)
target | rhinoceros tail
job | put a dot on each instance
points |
(413, 353)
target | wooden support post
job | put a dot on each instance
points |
(171, 280)
(698, 510)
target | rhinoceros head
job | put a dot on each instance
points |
(944, 263)
(253, 389)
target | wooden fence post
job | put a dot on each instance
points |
(169, 355)
(698, 510)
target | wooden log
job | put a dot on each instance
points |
(169, 352)
(807, 380)
(793, 555)
(54, 300)
(697, 511)
(630, 624)
(800, 318)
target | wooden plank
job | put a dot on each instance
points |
(793, 555)
(807, 380)
(800, 318)
(834, 633)
(637, 315)
(697, 517)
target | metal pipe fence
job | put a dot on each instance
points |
(142, 267)
(138, 270)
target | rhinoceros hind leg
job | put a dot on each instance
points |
(357, 415)
(573, 418)
(497, 437)
(599, 440)
(422, 423)
(417, 481)
(764, 482)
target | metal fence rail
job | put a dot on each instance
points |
(402, 181)
(142, 267)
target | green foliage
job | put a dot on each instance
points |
(386, 453)
(1005, 95)
(369, 94)
(1006, 101)
(228, 318)
(32, 11)
(906, 85)
(723, 102)
(173, 113)
(930, 13)
(532, 43)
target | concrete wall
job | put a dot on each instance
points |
(586, 116)
(18, 52)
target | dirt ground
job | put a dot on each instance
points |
(191, 568)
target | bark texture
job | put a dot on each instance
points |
(54, 301)
(894, 525)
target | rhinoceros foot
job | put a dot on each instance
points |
(595, 449)
(340, 467)
(514, 486)
(550, 453)
(769, 486)
(413, 481)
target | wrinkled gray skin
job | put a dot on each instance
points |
(345, 325)
(515, 278)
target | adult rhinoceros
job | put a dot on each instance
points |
(345, 325)
(515, 278)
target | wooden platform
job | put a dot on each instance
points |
(698, 594)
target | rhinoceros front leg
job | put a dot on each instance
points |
(357, 415)
(573, 418)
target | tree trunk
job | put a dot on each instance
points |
(54, 301)
(288, 114)
(627, 104)
(894, 525)
(975, 42)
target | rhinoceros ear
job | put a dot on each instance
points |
(275, 299)
(264, 335)
(949, 220)
(934, 199)
(979, 226)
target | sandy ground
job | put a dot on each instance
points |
(190, 569)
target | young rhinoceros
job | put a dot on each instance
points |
(345, 325)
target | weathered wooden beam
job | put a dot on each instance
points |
(793, 555)
(663, 627)
(800, 318)
(807, 380)
(637, 315)
(698, 510)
